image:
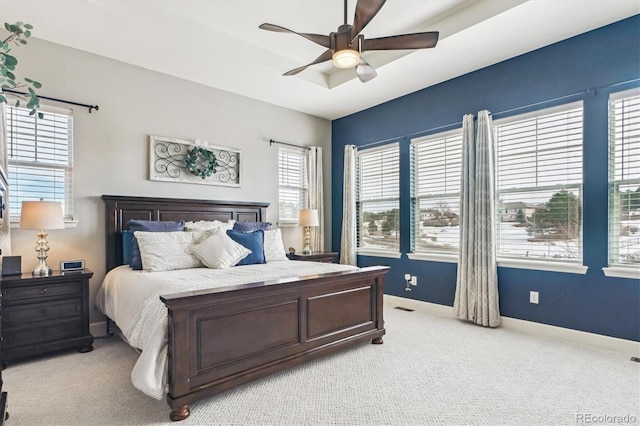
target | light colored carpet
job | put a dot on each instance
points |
(430, 371)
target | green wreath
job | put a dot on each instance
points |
(200, 162)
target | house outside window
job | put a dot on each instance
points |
(293, 187)
(539, 185)
(624, 180)
(40, 158)
(378, 200)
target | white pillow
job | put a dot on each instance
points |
(273, 246)
(219, 251)
(166, 251)
(207, 225)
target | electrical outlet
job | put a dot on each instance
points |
(533, 297)
(414, 280)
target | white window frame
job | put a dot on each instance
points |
(55, 167)
(549, 264)
(390, 148)
(301, 186)
(619, 135)
(448, 169)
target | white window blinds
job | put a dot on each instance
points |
(378, 199)
(292, 193)
(624, 178)
(539, 185)
(437, 161)
(40, 158)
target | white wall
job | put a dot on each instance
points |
(112, 146)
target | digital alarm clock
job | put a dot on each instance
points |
(71, 265)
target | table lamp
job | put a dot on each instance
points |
(41, 215)
(308, 218)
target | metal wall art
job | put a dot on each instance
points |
(175, 160)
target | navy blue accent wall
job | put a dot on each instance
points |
(597, 59)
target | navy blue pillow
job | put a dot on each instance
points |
(149, 226)
(127, 243)
(254, 241)
(251, 226)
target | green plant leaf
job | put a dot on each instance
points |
(18, 103)
(10, 75)
(40, 115)
(3, 99)
(7, 26)
(37, 84)
(10, 60)
(22, 41)
(27, 33)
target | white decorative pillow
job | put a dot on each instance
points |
(207, 225)
(166, 251)
(273, 246)
(219, 251)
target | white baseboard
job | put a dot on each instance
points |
(628, 347)
(98, 329)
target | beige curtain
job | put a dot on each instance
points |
(476, 297)
(348, 243)
(316, 194)
(5, 230)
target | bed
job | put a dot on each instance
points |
(220, 338)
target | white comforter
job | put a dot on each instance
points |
(132, 300)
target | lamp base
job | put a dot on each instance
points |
(42, 270)
(306, 250)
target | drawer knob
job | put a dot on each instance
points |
(43, 291)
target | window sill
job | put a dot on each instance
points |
(569, 268)
(282, 224)
(68, 224)
(379, 253)
(434, 257)
(622, 272)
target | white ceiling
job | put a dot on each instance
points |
(217, 42)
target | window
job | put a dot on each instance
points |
(40, 158)
(624, 178)
(539, 185)
(437, 161)
(292, 193)
(378, 199)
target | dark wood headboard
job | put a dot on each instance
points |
(121, 209)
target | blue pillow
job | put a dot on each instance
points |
(251, 226)
(127, 243)
(253, 241)
(149, 226)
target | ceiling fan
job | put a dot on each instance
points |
(345, 46)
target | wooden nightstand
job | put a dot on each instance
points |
(45, 314)
(331, 257)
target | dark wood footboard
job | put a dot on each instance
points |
(222, 338)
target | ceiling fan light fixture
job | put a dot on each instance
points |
(346, 58)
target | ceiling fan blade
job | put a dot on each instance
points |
(364, 71)
(324, 57)
(402, 42)
(320, 39)
(365, 11)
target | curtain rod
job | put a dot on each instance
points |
(271, 142)
(91, 107)
(458, 123)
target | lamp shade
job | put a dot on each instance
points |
(309, 217)
(41, 215)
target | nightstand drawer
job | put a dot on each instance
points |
(16, 316)
(14, 294)
(48, 332)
